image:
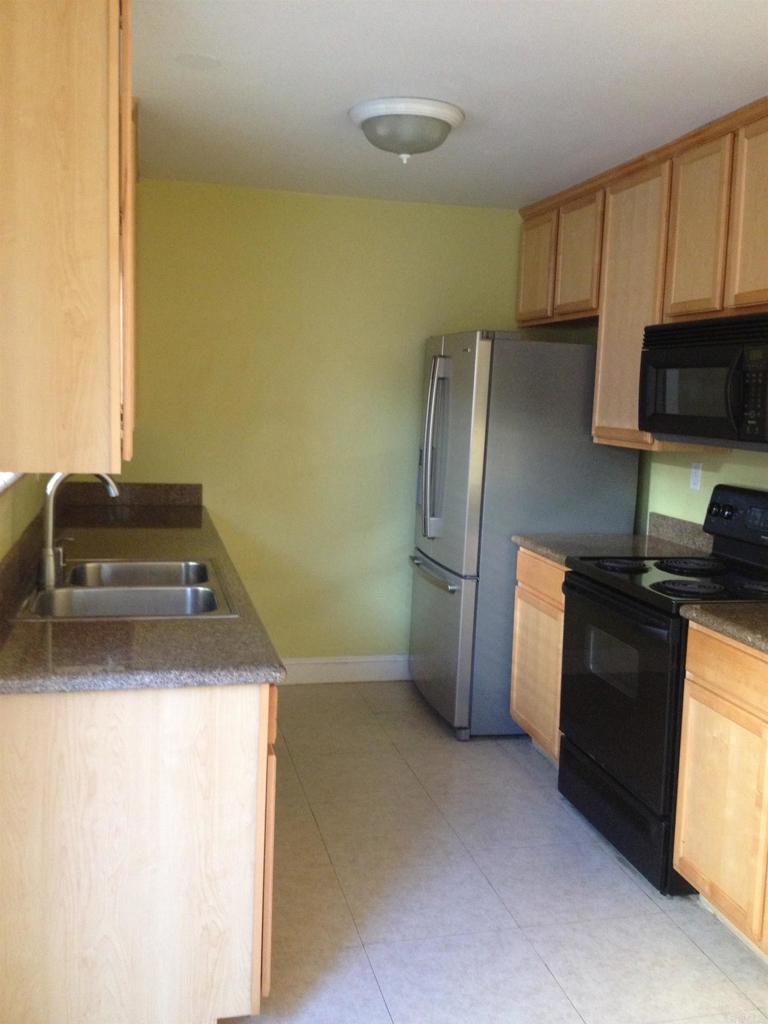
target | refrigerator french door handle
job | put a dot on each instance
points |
(426, 459)
(449, 588)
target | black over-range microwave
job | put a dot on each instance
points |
(707, 380)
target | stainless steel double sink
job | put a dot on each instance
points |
(132, 590)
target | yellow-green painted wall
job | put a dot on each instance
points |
(18, 506)
(665, 484)
(280, 347)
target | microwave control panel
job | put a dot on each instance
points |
(754, 393)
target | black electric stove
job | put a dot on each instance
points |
(623, 667)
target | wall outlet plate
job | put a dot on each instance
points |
(695, 480)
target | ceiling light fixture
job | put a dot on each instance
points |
(406, 125)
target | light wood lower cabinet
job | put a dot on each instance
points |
(269, 855)
(537, 649)
(721, 833)
(135, 855)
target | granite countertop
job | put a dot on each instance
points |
(558, 546)
(745, 621)
(119, 654)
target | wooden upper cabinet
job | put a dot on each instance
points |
(537, 267)
(698, 228)
(61, 255)
(579, 242)
(634, 240)
(747, 270)
(128, 178)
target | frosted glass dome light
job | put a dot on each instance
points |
(406, 125)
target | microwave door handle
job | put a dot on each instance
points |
(647, 403)
(426, 458)
(731, 385)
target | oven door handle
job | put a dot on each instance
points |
(731, 387)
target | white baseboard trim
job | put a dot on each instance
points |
(365, 669)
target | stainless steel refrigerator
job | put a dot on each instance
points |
(506, 448)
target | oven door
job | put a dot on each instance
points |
(622, 682)
(692, 391)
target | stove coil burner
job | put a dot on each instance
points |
(622, 565)
(748, 586)
(691, 566)
(688, 588)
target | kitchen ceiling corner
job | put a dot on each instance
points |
(257, 93)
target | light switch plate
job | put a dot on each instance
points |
(695, 481)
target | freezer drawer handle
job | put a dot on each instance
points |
(449, 588)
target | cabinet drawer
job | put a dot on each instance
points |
(737, 672)
(541, 575)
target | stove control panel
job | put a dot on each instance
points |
(739, 513)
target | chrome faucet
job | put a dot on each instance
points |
(52, 558)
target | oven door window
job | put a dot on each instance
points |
(620, 692)
(615, 662)
(692, 391)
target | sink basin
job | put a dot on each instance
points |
(121, 602)
(121, 589)
(137, 574)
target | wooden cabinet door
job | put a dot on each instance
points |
(269, 848)
(698, 223)
(537, 655)
(128, 176)
(579, 244)
(632, 276)
(59, 258)
(747, 269)
(721, 833)
(537, 267)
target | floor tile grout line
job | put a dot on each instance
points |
(468, 850)
(556, 980)
(341, 889)
(711, 959)
(395, 744)
(464, 846)
(445, 821)
(667, 1020)
(703, 1016)
(392, 743)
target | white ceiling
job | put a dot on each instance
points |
(256, 92)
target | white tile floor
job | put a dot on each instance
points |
(425, 881)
